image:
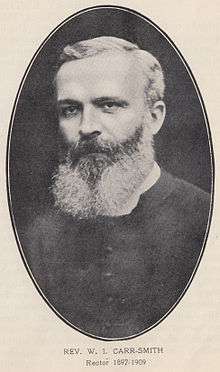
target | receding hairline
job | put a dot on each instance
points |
(129, 61)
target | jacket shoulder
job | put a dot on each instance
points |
(192, 205)
(191, 197)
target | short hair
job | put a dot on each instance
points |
(155, 86)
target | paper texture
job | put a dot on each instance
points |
(32, 337)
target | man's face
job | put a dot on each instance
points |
(106, 126)
(100, 97)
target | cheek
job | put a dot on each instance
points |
(122, 125)
(69, 130)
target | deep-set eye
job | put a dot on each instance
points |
(69, 111)
(110, 107)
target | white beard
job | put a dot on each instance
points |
(97, 186)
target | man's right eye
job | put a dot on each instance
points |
(69, 111)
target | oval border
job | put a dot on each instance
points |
(129, 10)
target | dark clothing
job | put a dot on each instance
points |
(114, 277)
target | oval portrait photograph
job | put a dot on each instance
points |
(110, 173)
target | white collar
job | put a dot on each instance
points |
(151, 179)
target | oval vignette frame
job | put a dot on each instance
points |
(181, 58)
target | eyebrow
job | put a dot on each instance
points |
(100, 100)
(68, 101)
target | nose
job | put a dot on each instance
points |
(89, 125)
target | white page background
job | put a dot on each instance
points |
(32, 337)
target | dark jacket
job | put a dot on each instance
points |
(114, 277)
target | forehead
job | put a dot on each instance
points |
(107, 74)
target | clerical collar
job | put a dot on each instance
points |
(149, 181)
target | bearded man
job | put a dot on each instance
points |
(122, 241)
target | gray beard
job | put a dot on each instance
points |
(101, 185)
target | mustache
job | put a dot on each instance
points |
(91, 146)
(91, 149)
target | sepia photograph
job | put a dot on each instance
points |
(110, 173)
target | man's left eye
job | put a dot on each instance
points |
(110, 106)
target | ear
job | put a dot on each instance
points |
(158, 113)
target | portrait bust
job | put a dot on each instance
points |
(120, 241)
